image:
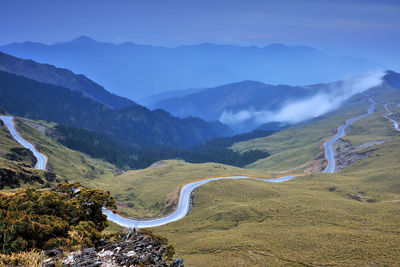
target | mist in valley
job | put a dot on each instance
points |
(331, 97)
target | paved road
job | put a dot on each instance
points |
(341, 131)
(395, 123)
(185, 194)
(184, 197)
(41, 159)
(183, 205)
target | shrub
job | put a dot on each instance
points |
(67, 215)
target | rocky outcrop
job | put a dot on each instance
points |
(157, 164)
(360, 198)
(346, 153)
(136, 249)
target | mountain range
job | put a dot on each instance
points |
(49, 74)
(134, 125)
(137, 71)
(150, 100)
(211, 103)
(248, 105)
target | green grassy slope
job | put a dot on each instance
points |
(18, 167)
(141, 193)
(295, 147)
(308, 221)
(372, 128)
(348, 218)
(6, 141)
(66, 163)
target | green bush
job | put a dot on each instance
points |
(68, 215)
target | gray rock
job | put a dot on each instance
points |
(178, 262)
(136, 249)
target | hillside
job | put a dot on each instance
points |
(62, 77)
(352, 213)
(213, 103)
(312, 220)
(150, 100)
(299, 148)
(153, 191)
(143, 70)
(135, 125)
(63, 164)
(126, 157)
(249, 105)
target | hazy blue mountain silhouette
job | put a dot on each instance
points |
(150, 100)
(49, 74)
(212, 103)
(137, 71)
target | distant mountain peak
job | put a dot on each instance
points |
(392, 78)
(83, 39)
(277, 45)
(141, 70)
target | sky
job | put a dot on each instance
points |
(361, 28)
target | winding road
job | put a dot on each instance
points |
(341, 131)
(183, 203)
(395, 123)
(41, 159)
(185, 194)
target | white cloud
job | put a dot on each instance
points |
(321, 103)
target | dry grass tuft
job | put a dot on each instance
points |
(23, 258)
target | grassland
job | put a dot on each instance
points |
(6, 144)
(66, 163)
(311, 220)
(372, 128)
(396, 111)
(6, 141)
(295, 147)
(350, 218)
(113, 228)
(142, 193)
(345, 219)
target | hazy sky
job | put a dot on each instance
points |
(342, 27)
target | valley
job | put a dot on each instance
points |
(331, 218)
(185, 191)
(333, 206)
(199, 133)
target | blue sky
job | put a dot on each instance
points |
(369, 29)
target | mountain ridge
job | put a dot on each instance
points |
(136, 125)
(63, 77)
(241, 104)
(210, 103)
(144, 70)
